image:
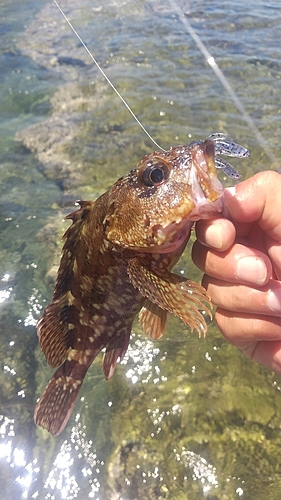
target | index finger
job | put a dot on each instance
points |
(216, 233)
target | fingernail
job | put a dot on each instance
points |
(274, 300)
(230, 199)
(213, 236)
(252, 269)
(229, 192)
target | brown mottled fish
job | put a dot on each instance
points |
(116, 263)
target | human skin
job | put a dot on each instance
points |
(241, 259)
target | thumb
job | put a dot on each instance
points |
(257, 199)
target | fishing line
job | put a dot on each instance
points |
(220, 75)
(212, 63)
(106, 77)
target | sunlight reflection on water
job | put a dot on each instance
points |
(141, 354)
(61, 479)
(5, 294)
(15, 457)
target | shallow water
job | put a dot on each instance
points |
(182, 417)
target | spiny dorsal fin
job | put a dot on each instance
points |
(75, 242)
(61, 321)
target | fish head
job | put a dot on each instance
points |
(153, 208)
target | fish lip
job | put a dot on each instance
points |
(206, 194)
(207, 190)
(203, 167)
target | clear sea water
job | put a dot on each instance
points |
(182, 418)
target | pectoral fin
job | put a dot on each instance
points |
(173, 293)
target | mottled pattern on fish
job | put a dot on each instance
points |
(116, 263)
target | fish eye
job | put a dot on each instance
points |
(155, 173)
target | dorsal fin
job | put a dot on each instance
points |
(60, 320)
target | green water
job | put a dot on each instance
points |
(182, 418)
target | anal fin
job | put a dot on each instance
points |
(116, 348)
(153, 320)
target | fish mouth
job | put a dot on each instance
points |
(207, 189)
(201, 198)
(206, 193)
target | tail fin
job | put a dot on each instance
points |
(55, 406)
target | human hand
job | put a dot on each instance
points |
(241, 259)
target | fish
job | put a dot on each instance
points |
(117, 263)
